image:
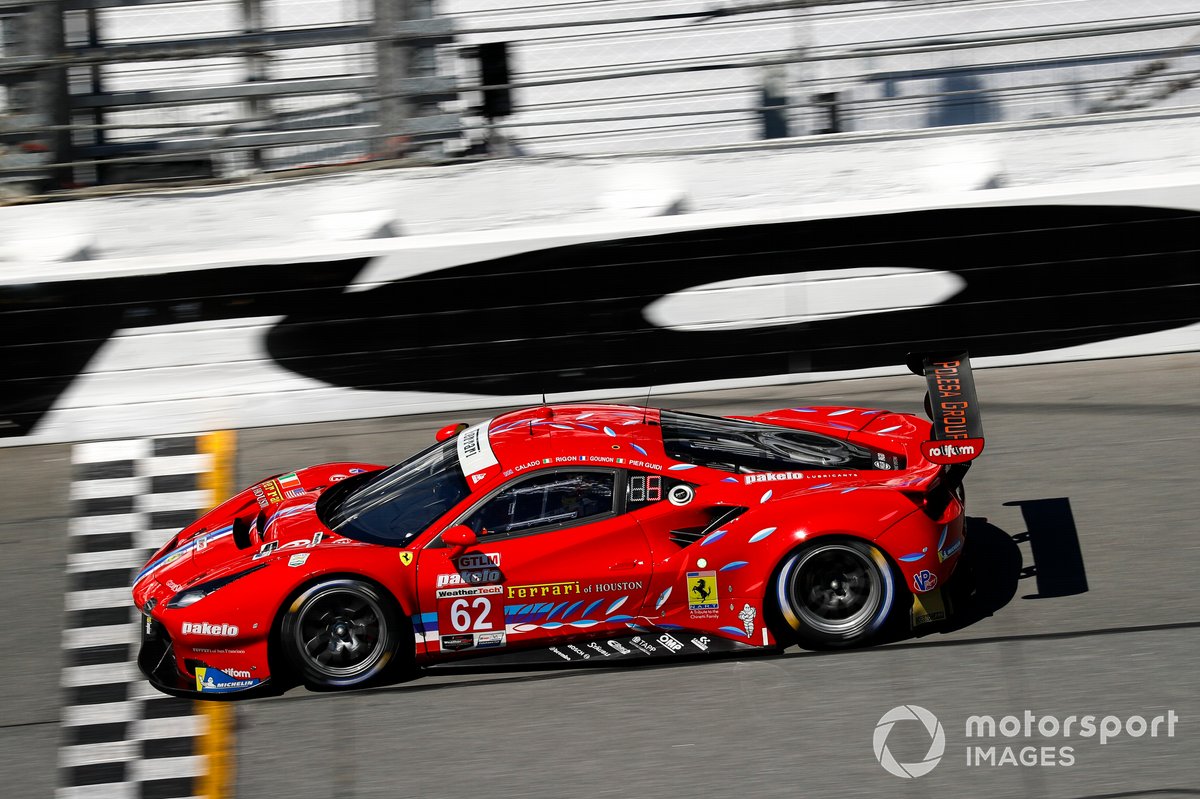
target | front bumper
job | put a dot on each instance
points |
(156, 660)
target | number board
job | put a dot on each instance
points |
(469, 610)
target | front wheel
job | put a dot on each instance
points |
(340, 633)
(836, 593)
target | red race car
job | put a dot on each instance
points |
(572, 533)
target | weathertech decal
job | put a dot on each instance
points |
(475, 590)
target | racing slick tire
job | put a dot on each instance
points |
(341, 633)
(835, 592)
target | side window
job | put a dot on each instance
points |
(545, 500)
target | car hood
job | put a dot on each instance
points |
(266, 520)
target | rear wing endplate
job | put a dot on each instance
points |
(952, 405)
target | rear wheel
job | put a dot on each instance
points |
(836, 593)
(341, 633)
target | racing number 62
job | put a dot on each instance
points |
(460, 616)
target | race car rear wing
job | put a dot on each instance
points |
(952, 405)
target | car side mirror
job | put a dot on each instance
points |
(460, 537)
(451, 430)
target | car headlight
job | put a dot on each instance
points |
(194, 594)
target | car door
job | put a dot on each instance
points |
(556, 557)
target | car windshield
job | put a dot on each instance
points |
(393, 506)
(736, 445)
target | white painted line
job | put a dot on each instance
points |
(170, 727)
(90, 754)
(149, 541)
(99, 674)
(107, 713)
(98, 598)
(161, 768)
(179, 500)
(174, 464)
(112, 487)
(132, 710)
(105, 790)
(141, 689)
(101, 636)
(103, 525)
(104, 451)
(99, 561)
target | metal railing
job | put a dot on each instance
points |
(115, 91)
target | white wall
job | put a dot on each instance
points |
(198, 376)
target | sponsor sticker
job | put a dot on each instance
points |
(475, 450)
(644, 645)
(477, 560)
(490, 640)
(457, 642)
(670, 642)
(702, 594)
(271, 491)
(949, 552)
(473, 577)
(701, 643)
(215, 681)
(474, 568)
(771, 477)
(925, 580)
(221, 630)
(298, 559)
(747, 616)
(541, 590)
(600, 588)
(927, 608)
(471, 590)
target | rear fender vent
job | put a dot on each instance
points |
(241, 533)
(718, 515)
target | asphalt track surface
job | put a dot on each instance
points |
(1096, 459)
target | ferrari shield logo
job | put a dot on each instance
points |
(702, 590)
(406, 558)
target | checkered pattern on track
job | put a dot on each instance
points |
(121, 739)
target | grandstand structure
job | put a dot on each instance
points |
(103, 92)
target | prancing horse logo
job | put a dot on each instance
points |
(700, 589)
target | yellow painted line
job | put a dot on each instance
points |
(216, 744)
